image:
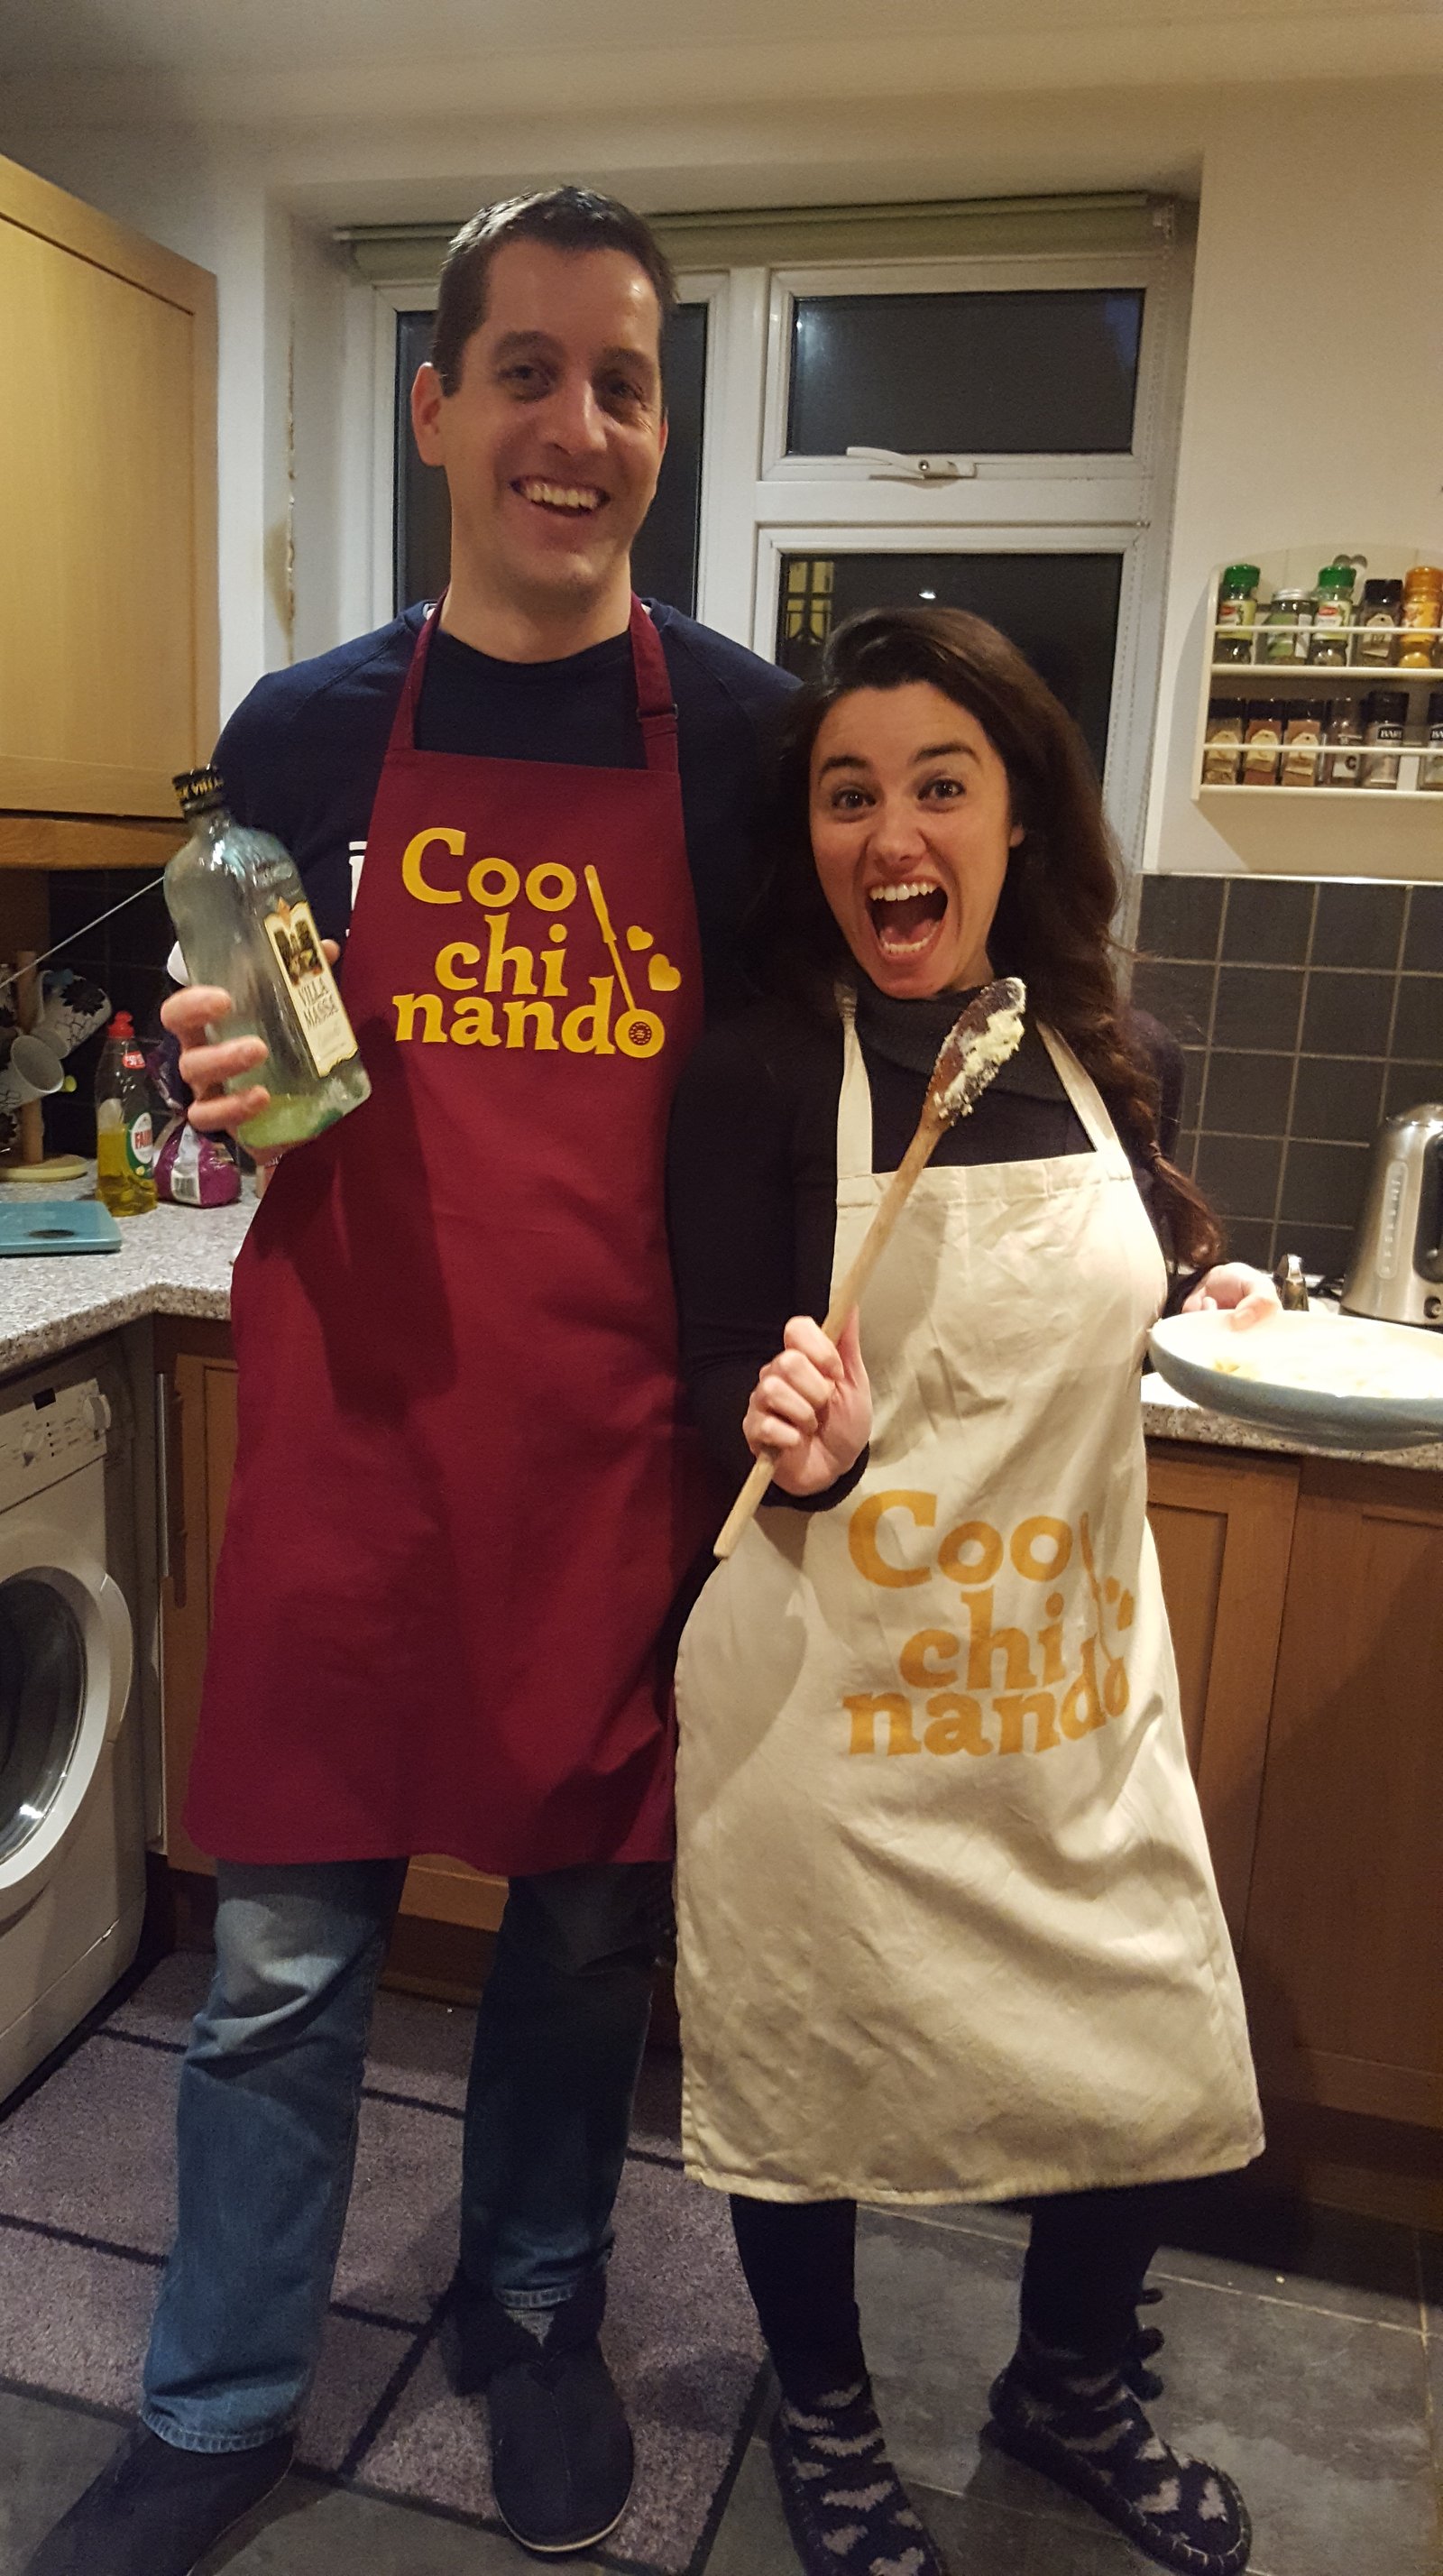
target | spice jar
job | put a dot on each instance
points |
(1237, 613)
(1343, 758)
(1385, 717)
(1378, 619)
(1286, 627)
(1262, 741)
(1302, 741)
(1223, 742)
(1422, 617)
(1333, 615)
(1430, 767)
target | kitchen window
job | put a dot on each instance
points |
(974, 405)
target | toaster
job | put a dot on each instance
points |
(1396, 1266)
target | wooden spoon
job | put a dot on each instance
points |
(988, 1032)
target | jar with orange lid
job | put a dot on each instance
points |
(1420, 642)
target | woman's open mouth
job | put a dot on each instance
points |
(905, 919)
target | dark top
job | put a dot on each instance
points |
(302, 756)
(752, 1173)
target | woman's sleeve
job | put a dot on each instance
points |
(732, 1220)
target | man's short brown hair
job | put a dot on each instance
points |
(566, 219)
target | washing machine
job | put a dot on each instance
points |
(72, 1780)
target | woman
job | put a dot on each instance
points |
(949, 1929)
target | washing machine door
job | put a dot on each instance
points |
(65, 1664)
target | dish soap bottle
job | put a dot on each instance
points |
(124, 1136)
(243, 922)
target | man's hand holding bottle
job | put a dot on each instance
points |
(205, 1067)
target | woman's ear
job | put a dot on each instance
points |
(1017, 836)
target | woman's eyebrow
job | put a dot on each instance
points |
(843, 760)
(945, 751)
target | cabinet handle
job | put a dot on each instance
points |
(171, 1539)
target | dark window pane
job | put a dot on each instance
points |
(1039, 372)
(664, 559)
(1061, 610)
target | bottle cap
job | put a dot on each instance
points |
(1336, 577)
(1242, 577)
(1423, 577)
(200, 791)
(122, 1026)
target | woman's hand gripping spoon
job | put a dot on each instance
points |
(988, 1032)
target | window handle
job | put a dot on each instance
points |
(889, 465)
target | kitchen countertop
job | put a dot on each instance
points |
(177, 1261)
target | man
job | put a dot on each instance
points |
(462, 1506)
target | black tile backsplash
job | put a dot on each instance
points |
(1307, 1012)
(125, 955)
(1347, 1014)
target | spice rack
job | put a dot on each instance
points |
(1353, 679)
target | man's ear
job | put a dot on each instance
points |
(427, 398)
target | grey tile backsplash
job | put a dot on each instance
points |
(1307, 1012)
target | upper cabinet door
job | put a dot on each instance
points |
(108, 642)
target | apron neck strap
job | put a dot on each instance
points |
(655, 703)
(854, 1101)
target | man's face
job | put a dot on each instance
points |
(553, 439)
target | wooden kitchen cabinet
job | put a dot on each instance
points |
(1222, 1521)
(1343, 1950)
(196, 1381)
(108, 624)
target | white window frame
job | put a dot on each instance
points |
(1139, 626)
(757, 503)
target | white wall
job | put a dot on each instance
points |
(1315, 374)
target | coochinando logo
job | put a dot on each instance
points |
(992, 1687)
(511, 993)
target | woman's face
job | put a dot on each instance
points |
(911, 828)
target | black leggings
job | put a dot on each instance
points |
(1087, 2259)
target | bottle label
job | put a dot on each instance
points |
(140, 1143)
(315, 996)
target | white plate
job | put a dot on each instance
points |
(1331, 1351)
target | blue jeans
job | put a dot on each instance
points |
(270, 2092)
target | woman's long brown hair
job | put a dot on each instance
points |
(1053, 925)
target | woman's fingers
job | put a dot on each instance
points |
(205, 1068)
(224, 1111)
(806, 1339)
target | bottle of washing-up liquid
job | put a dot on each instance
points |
(124, 1137)
(243, 922)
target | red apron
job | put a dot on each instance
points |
(462, 1503)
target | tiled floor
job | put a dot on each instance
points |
(1307, 2355)
(1314, 2388)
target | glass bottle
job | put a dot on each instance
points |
(1343, 758)
(1422, 616)
(1223, 742)
(1237, 613)
(1376, 639)
(1262, 741)
(1333, 615)
(124, 1129)
(1385, 717)
(1302, 742)
(1430, 767)
(243, 922)
(1287, 626)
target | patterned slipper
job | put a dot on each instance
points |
(1086, 2429)
(846, 2507)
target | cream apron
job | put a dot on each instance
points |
(949, 1929)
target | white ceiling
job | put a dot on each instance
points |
(324, 60)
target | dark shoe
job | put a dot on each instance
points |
(847, 2510)
(561, 2448)
(157, 2511)
(1084, 2428)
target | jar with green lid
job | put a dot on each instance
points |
(1237, 613)
(1332, 615)
(1379, 618)
(1287, 627)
